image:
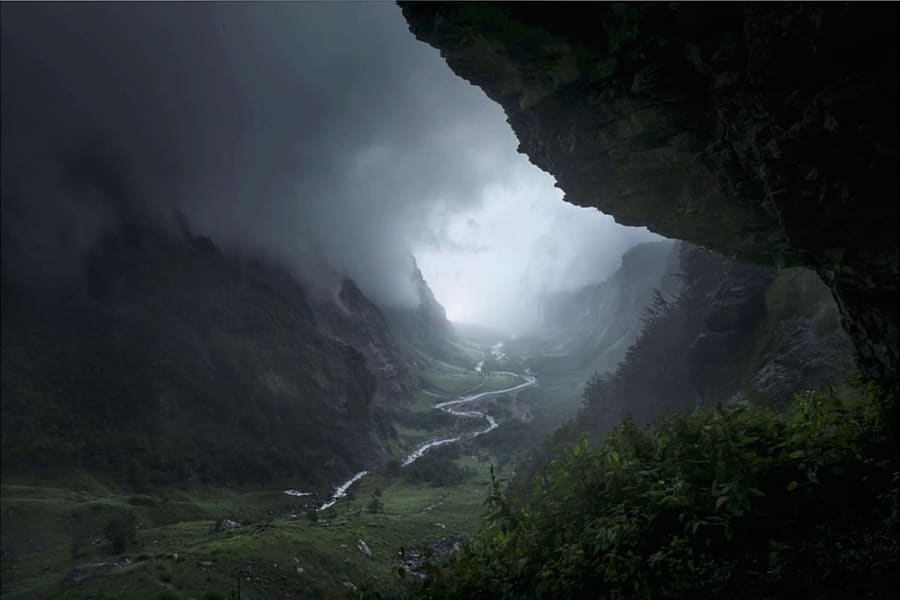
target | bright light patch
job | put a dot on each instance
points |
(495, 260)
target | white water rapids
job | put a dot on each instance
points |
(448, 407)
(341, 490)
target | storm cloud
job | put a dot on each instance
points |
(323, 135)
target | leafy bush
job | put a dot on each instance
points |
(437, 469)
(711, 503)
(141, 500)
(375, 505)
(122, 531)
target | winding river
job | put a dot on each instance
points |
(452, 407)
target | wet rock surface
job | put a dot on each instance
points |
(738, 332)
(412, 561)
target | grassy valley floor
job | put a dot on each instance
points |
(206, 543)
(55, 546)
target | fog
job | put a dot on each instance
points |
(322, 135)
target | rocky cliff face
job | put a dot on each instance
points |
(351, 318)
(737, 332)
(423, 327)
(767, 132)
(431, 316)
(590, 329)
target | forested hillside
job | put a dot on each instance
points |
(726, 457)
(736, 502)
(167, 360)
(590, 329)
(734, 332)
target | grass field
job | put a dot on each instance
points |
(54, 542)
(48, 532)
(453, 381)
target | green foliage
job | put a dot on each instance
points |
(141, 500)
(435, 470)
(438, 468)
(375, 505)
(122, 531)
(39, 523)
(702, 505)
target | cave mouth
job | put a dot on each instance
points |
(767, 133)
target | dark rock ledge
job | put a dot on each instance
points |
(764, 131)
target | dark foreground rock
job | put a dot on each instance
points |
(767, 132)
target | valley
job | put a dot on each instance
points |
(207, 542)
(449, 301)
(274, 551)
(433, 413)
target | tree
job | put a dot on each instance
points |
(375, 504)
(122, 531)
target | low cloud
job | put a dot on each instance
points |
(316, 133)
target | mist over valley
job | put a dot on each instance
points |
(448, 300)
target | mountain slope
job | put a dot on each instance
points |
(737, 332)
(350, 317)
(170, 361)
(423, 328)
(592, 328)
(763, 131)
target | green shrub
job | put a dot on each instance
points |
(141, 500)
(436, 469)
(706, 504)
(121, 531)
(375, 505)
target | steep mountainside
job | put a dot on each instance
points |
(170, 361)
(591, 329)
(736, 332)
(765, 131)
(423, 328)
(349, 317)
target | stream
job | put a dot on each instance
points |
(450, 406)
